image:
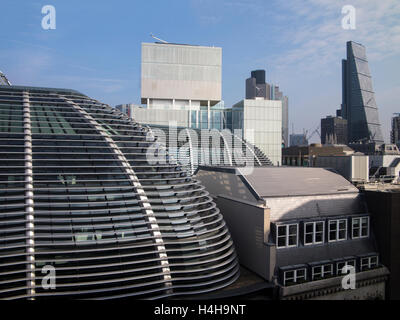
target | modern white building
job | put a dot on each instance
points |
(176, 76)
(261, 122)
(181, 86)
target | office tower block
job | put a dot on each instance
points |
(395, 133)
(179, 76)
(333, 130)
(358, 98)
(256, 87)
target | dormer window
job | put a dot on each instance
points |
(321, 271)
(360, 227)
(340, 265)
(294, 276)
(314, 232)
(287, 235)
(337, 230)
(368, 263)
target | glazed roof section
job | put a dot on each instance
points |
(41, 89)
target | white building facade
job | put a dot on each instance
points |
(262, 125)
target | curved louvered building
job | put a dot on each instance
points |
(194, 147)
(77, 193)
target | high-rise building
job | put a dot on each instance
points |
(177, 76)
(395, 133)
(358, 97)
(261, 123)
(333, 130)
(181, 86)
(278, 95)
(257, 88)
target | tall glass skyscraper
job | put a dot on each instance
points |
(358, 98)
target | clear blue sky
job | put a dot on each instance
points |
(95, 47)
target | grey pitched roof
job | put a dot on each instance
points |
(296, 181)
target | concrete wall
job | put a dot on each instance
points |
(249, 226)
(370, 285)
(163, 117)
(374, 291)
(171, 71)
(353, 168)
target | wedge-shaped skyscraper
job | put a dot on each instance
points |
(358, 97)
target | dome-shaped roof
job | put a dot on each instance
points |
(78, 193)
(194, 147)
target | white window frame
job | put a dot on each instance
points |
(368, 265)
(287, 235)
(295, 276)
(337, 230)
(360, 219)
(323, 270)
(314, 232)
(345, 263)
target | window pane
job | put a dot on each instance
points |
(317, 270)
(364, 263)
(292, 240)
(364, 230)
(300, 273)
(281, 230)
(319, 226)
(293, 229)
(281, 241)
(332, 225)
(309, 227)
(319, 237)
(327, 269)
(309, 238)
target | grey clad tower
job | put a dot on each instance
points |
(358, 98)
